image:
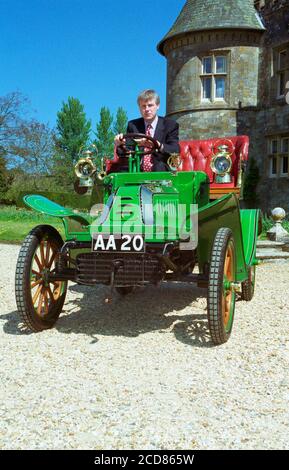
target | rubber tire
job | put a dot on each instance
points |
(218, 330)
(125, 290)
(22, 280)
(248, 286)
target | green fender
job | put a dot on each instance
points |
(45, 206)
(250, 222)
(225, 212)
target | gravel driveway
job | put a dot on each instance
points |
(141, 373)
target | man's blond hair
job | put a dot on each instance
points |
(148, 95)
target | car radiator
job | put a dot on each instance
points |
(123, 269)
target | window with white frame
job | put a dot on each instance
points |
(214, 77)
(284, 156)
(282, 71)
(279, 156)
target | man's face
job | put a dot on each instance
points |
(148, 109)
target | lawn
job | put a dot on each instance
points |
(15, 223)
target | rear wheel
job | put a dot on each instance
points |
(221, 295)
(248, 286)
(39, 301)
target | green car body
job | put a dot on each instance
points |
(169, 227)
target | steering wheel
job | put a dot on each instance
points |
(151, 148)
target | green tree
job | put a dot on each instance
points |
(4, 181)
(72, 134)
(104, 133)
(73, 130)
(120, 123)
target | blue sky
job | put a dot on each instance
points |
(102, 53)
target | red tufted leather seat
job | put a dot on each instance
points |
(196, 155)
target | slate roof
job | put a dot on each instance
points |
(198, 15)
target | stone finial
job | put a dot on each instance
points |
(278, 233)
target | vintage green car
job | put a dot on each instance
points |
(151, 228)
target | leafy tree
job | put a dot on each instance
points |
(36, 149)
(120, 123)
(13, 108)
(23, 142)
(104, 133)
(73, 133)
(12, 117)
(4, 177)
(73, 130)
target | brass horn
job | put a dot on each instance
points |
(101, 173)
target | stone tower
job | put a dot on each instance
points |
(212, 53)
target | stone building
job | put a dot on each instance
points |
(227, 73)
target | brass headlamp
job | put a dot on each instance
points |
(85, 169)
(174, 161)
(221, 163)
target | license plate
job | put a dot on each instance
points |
(124, 243)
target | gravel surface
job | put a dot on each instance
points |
(141, 372)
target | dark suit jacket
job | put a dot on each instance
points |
(167, 133)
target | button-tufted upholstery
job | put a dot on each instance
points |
(196, 155)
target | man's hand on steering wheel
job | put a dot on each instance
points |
(149, 144)
(119, 140)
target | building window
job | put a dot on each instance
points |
(273, 166)
(274, 146)
(279, 156)
(285, 145)
(284, 156)
(282, 72)
(284, 166)
(214, 78)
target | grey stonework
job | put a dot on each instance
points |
(184, 67)
(251, 104)
(195, 125)
(201, 15)
(260, 125)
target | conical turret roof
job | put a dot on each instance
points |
(198, 15)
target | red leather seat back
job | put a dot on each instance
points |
(113, 164)
(196, 155)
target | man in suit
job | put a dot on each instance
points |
(164, 130)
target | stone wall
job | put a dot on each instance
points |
(196, 117)
(272, 113)
(207, 124)
(259, 125)
(251, 105)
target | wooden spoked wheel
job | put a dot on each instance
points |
(228, 295)
(39, 299)
(221, 294)
(44, 293)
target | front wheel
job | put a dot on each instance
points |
(39, 300)
(221, 295)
